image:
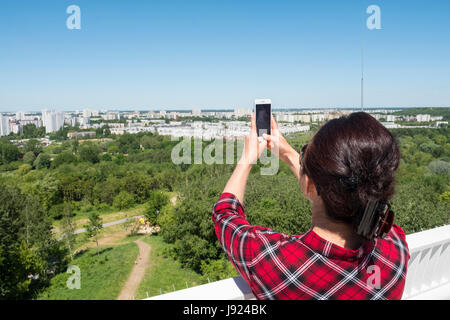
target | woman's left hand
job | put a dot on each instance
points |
(252, 148)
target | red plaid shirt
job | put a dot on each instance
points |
(281, 266)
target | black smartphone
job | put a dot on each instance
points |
(263, 112)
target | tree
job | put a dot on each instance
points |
(26, 242)
(215, 270)
(42, 161)
(61, 134)
(93, 228)
(427, 147)
(29, 157)
(75, 145)
(30, 131)
(90, 153)
(128, 143)
(14, 280)
(104, 131)
(445, 197)
(139, 185)
(112, 148)
(123, 200)
(157, 200)
(439, 167)
(62, 158)
(106, 157)
(34, 146)
(440, 139)
(68, 228)
(24, 169)
(106, 191)
(8, 153)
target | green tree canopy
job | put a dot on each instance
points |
(42, 161)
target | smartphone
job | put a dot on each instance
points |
(263, 110)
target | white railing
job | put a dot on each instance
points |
(428, 275)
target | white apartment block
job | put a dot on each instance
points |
(423, 117)
(16, 128)
(391, 118)
(36, 122)
(318, 117)
(111, 116)
(52, 120)
(241, 112)
(87, 113)
(4, 125)
(20, 115)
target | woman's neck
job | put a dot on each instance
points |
(339, 233)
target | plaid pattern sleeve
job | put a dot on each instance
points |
(280, 266)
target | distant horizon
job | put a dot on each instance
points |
(212, 109)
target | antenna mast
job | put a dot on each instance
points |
(362, 63)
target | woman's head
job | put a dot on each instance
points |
(351, 160)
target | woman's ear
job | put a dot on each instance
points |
(311, 190)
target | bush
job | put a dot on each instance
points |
(439, 167)
(90, 153)
(106, 157)
(215, 270)
(57, 211)
(42, 161)
(63, 158)
(157, 200)
(8, 153)
(445, 197)
(29, 158)
(123, 200)
(24, 169)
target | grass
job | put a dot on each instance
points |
(164, 272)
(82, 218)
(101, 277)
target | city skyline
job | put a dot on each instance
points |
(178, 55)
(38, 110)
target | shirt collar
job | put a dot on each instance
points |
(331, 250)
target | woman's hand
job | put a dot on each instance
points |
(252, 148)
(278, 145)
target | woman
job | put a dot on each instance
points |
(352, 250)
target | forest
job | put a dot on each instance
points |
(43, 185)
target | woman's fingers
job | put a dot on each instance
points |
(261, 146)
(270, 141)
(273, 123)
(252, 123)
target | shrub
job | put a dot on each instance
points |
(42, 161)
(123, 200)
(29, 158)
(439, 167)
(24, 169)
(157, 200)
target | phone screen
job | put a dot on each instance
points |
(262, 119)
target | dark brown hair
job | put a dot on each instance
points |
(351, 160)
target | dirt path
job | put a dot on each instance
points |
(133, 281)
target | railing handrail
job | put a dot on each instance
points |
(428, 238)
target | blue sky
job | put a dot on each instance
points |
(222, 54)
